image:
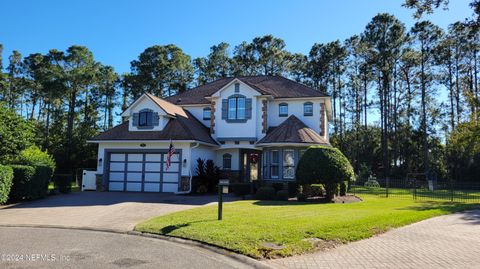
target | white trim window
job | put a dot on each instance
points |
(207, 113)
(236, 108)
(274, 163)
(308, 109)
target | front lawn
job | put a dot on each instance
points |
(249, 226)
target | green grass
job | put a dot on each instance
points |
(75, 187)
(249, 224)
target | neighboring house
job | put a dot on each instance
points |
(253, 128)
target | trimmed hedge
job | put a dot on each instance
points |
(240, 189)
(30, 182)
(265, 193)
(6, 179)
(282, 195)
(324, 165)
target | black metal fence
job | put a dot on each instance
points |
(418, 189)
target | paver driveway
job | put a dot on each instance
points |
(98, 210)
(451, 241)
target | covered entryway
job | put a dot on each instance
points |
(142, 171)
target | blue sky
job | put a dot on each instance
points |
(118, 31)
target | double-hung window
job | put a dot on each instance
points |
(227, 161)
(308, 109)
(236, 108)
(207, 113)
(283, 110)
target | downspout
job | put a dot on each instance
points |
(197, 144)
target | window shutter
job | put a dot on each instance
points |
(150, 119)
(224, 109)
(135, 119)
(248, 108)
(156, 119)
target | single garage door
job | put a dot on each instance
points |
(143, 172)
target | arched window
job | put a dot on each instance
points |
(227, 161)
(283, 110)
(207, 113)
(145, 118)
(308, 109)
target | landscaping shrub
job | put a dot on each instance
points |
(202, 189)
(301, 193)
(63, 183)
(30, 182)
(34, 156)
(240, 189)
(6, 180)
(316, 190)
(207, 175)
(372, 183)
(282, 195)
(22, 181)
(278, 186)
(324, 165)
(343, 188)
(265, 193)
(292, 188)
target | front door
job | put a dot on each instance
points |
(251, 164)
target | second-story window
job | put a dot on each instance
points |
(308, 109)
(283, 110)
(145, 118)
(236, 108)
(207, 113)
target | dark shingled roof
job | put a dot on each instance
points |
(293, 130)
(178, 128)
(277, 86)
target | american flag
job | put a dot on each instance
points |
(171, 151)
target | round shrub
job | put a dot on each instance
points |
(316, 190)
(324, 165)
(34, 156)
(282, 195)
(265, 193)
(240, 189)
(6, 180)
(372, 183)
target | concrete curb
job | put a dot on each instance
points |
(238, 257)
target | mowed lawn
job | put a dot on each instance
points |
(248, 225)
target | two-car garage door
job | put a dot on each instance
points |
(143, 172)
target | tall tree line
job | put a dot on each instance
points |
(398, 94)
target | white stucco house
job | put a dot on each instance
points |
(253, 128)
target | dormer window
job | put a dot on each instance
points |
(283, 110)
(145, 118)
(207, 113)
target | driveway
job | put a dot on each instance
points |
(68, 248)
(114, 211)
(450, 241)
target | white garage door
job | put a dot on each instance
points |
(143, 172)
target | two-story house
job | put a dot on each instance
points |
(254, 128)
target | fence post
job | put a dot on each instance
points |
(415, 189)
(451, 190)
(387, 183)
